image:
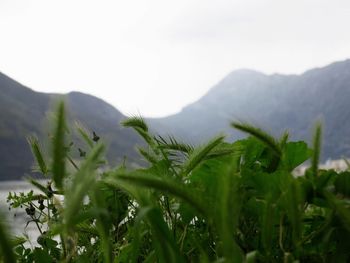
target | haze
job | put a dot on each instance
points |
(154, 57)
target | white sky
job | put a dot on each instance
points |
(154, 57)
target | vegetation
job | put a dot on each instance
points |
(220, 202)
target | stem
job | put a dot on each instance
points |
(166, 158)
(175, 226)
(35, 221)
(168, 209)
(37, 208)
(63, 247)
(319, 230)
(48, 209)
(281, 235)
(183, 238)
(73, 163)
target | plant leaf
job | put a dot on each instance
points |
(199, 154)
(37, 152)
(84, 134)
(316, 149)
(259, 134)
(83, 180)
(6, 250)
(59, 149)
(161, 184)
(295, 153)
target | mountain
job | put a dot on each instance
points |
(25, 112)
(275, 103)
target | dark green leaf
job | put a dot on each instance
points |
(295, 153)
(59, 149)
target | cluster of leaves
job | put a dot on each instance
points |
(219, 202)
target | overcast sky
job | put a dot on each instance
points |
(153, 57)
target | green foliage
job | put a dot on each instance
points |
(259, 134)
(219, 202)
(317, 149)
(139, 125)
(59, 148)
(84, 135)
(295, 153)
(6, 252)
(37, 152)
(199, 154)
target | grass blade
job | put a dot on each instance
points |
(148, 156)
(59, 150)
(38, 154)
(135, 122)
(229, 208)
(163, 185)
(341, 209)
(5, 244)
(267, 229)
(140, 126)
(173, 144)
(84, 134)
(103, 224)
(260, 135)
(165, 246)
(284, 139)
(40, 186)
(83, 180)
(316, 149)
(293, 203)
(199, 154)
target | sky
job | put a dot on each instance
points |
(153, 57)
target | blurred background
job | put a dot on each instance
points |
(188, 67)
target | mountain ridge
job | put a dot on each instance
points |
(274, 102)
(24, 112)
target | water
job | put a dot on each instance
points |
(17, 218)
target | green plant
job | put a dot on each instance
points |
(6, 252)
(218, 202)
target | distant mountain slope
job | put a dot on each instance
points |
(24, 112)
(274, 102)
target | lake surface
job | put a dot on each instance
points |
(17, 218)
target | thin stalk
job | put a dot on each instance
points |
(166, 200)
(316, 149)
(63, 247)
(48, 209)
(35, 206)
(280, 240)
(175, 226)
(37, 225)
(72, 162)
(167, 159)
(183, 238)
(319, 230)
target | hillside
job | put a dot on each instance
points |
(274, 102)
(25, 112)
